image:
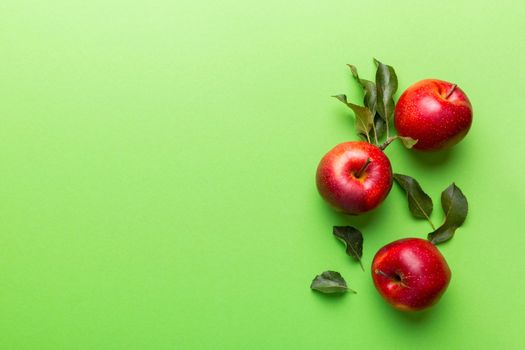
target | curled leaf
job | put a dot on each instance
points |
(455, 206)
(408, 142)
(419, 203)
(330, 282)
(386, 83)
(370, 98)
(380, 126)
(363, 117)
(353, 239)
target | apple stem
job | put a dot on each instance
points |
(387, 142)
(363, 168)
(379, 272)
(452, 88)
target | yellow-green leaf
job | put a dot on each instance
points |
(363, 117)
(408, 142)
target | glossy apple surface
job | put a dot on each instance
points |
(410, 274)
(436, 113)
(345, 187)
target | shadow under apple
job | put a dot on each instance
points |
(360, 221)
(415, 317)
(437, 159)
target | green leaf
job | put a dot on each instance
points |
(353, 239)
(370, 98)
(408, 142)
(379, 125)
(363, 117)
(386, 83)
(419, 203)
(330, 282)
(455, 206)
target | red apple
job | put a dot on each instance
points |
(354, 177)
(410, 274)
(436, 113)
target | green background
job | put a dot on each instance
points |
(157, 164)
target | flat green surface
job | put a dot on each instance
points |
(157, 164)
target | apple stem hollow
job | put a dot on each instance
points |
(452, 88)
(397, 278)
(363, 168)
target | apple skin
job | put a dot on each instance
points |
(337, 182)
(410, 274)
(425, 113)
